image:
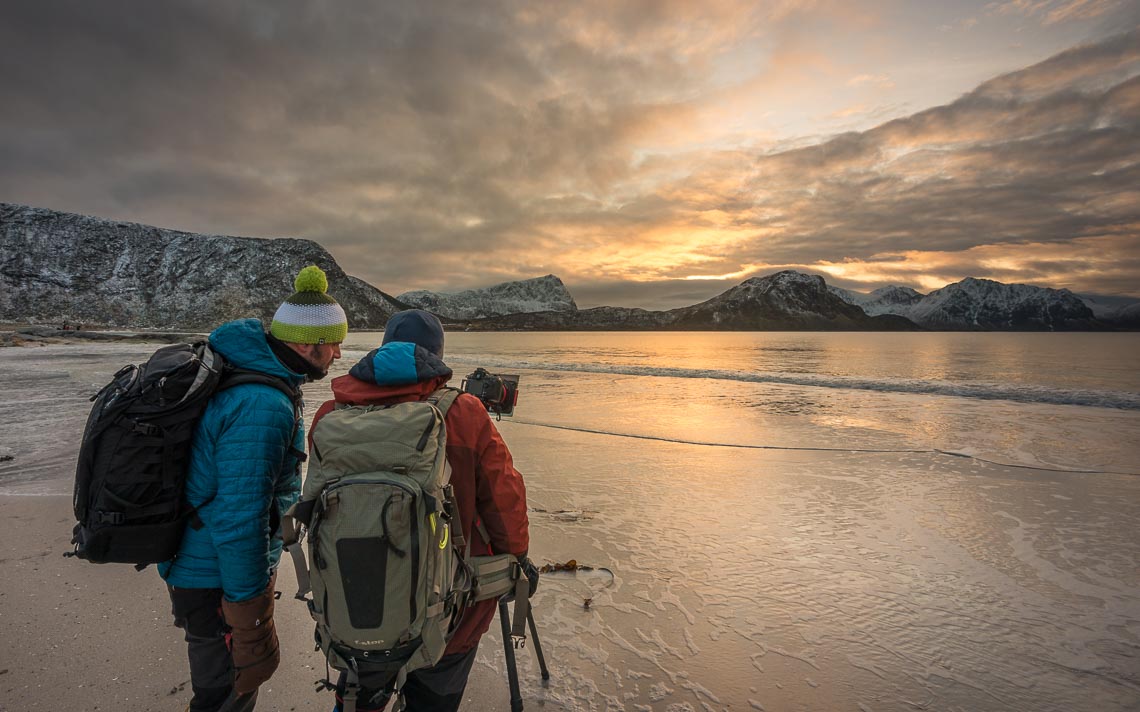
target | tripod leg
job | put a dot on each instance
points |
(537, 645)
(509, 653)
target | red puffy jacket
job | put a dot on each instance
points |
(487, 486)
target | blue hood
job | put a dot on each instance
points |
(243, 344)
(398, 363)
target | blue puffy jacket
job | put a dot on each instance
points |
(241, 459)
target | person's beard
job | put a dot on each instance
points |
(315, 372)
(294, 361)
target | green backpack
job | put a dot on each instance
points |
(389, 570)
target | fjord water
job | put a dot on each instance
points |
(793, 521)
(822, 576)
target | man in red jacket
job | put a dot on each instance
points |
(489, 491)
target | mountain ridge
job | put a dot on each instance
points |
(975, 304)
(537, 294)
(58, 266)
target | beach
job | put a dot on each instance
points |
(80, 636)
(752, 545)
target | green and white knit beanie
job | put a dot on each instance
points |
(310, 316)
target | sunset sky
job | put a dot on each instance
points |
(651, 154)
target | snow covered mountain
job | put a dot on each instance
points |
(781, 301)
(57, 266)
(784, 300)
(981, 305)
(1121, 312)
(885, 300)
(540, 294)
(985, 304)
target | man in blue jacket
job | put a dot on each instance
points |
(244, 472)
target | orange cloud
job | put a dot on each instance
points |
(881, 81)
(1054, 11)
(1083, 264)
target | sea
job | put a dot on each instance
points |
(781, 521)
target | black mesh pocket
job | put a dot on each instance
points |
(363, 562)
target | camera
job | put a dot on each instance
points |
(499, 393)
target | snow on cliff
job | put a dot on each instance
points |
(1122, 312)
(57, 266)
(783, 300)
(541, 294)
(980, 304)
(885, 300)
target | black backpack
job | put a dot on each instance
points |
(136, 452)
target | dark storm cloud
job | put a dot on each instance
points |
(451, 145)
(372, 127)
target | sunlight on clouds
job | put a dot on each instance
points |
(1078, 264)
(1080, 10)
(683, 245)
(850, 111)
(1055, 11)
(746, 272)
(670, 141)
(881, 81)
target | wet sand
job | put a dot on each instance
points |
(80, 636)
(743, 579)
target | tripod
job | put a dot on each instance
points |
(509, 652)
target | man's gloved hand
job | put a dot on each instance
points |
(255, 649)
(531, 572)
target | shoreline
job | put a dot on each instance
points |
(816, 576)
(35, 335)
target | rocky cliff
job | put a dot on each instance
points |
(58, 266)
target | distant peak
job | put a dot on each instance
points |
(536, 294)
(784, 277)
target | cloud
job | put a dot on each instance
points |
(1055, 11)
(1008, 164)
(1109, 261)
(880, 81)
(457, 145)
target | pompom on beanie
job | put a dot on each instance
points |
(310, 316)
(418, 327)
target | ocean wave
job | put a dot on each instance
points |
(1021, 393)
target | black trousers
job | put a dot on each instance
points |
(198, 612)
(438, 688)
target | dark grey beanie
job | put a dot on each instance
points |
(418, 327)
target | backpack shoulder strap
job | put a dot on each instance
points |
(444, 398)
(233, 376)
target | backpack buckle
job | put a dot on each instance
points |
(145, 428)
(109, 518)
(448, 511)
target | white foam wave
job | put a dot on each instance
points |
(1022, 393)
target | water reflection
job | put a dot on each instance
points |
(1081, 360)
